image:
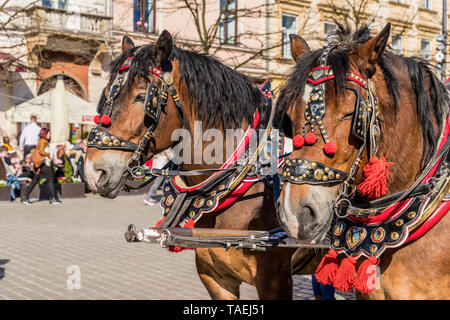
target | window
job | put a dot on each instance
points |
(427, 4)
(397, 43)
(144, 15)
(425, 49)
(288, 26)
(228, 18)
(329, 28)
(60, 4)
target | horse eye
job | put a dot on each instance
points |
(140, 98)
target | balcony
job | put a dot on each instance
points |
(45, 19)
(55, 33)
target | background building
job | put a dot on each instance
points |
(76, 40)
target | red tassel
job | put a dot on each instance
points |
(97, 119)
(377, 176)
(345, 276)
(326, 271)
(366, 273)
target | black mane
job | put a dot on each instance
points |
(219, 94)
(436, 101)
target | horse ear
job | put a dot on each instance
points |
(372, 50)
(163, 48)
(127, 43)
(299, 47)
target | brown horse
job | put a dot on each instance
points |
(219, 97)
(413, 108)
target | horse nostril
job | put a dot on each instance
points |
(307, 213)
(103, 177)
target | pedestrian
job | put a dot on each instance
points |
(158, 161)
(6, 143)
(13, 171)
(27, 168)
(29, 137)
(322, 291)
(41, 158)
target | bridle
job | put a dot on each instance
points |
(365, 127)
(155, 101)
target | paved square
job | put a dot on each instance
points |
(42, 247)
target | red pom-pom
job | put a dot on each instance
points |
(326, 271)
(106, 120)
(97, 119)
(330, 148)
(377, 176)
(298, 141)
(310, 138)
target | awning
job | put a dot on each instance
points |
(79, 110)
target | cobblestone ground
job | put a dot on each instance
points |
(42, 247)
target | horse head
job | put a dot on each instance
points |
(351, 102)
(138, 110)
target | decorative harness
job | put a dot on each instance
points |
(390, 221)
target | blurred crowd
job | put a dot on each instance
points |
(36, 160)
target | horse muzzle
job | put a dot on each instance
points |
(106, 172)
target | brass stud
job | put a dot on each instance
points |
(336, 242)
(221, 187)
(116, 142)
(209, 203)
(394, 235)
(192, 214)
(318, 174)
(373, 248)
(412, 214)
(313, 165)
(213, 193)
(199, 202)
(399, 222)
(327, 169)
(106, 140)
